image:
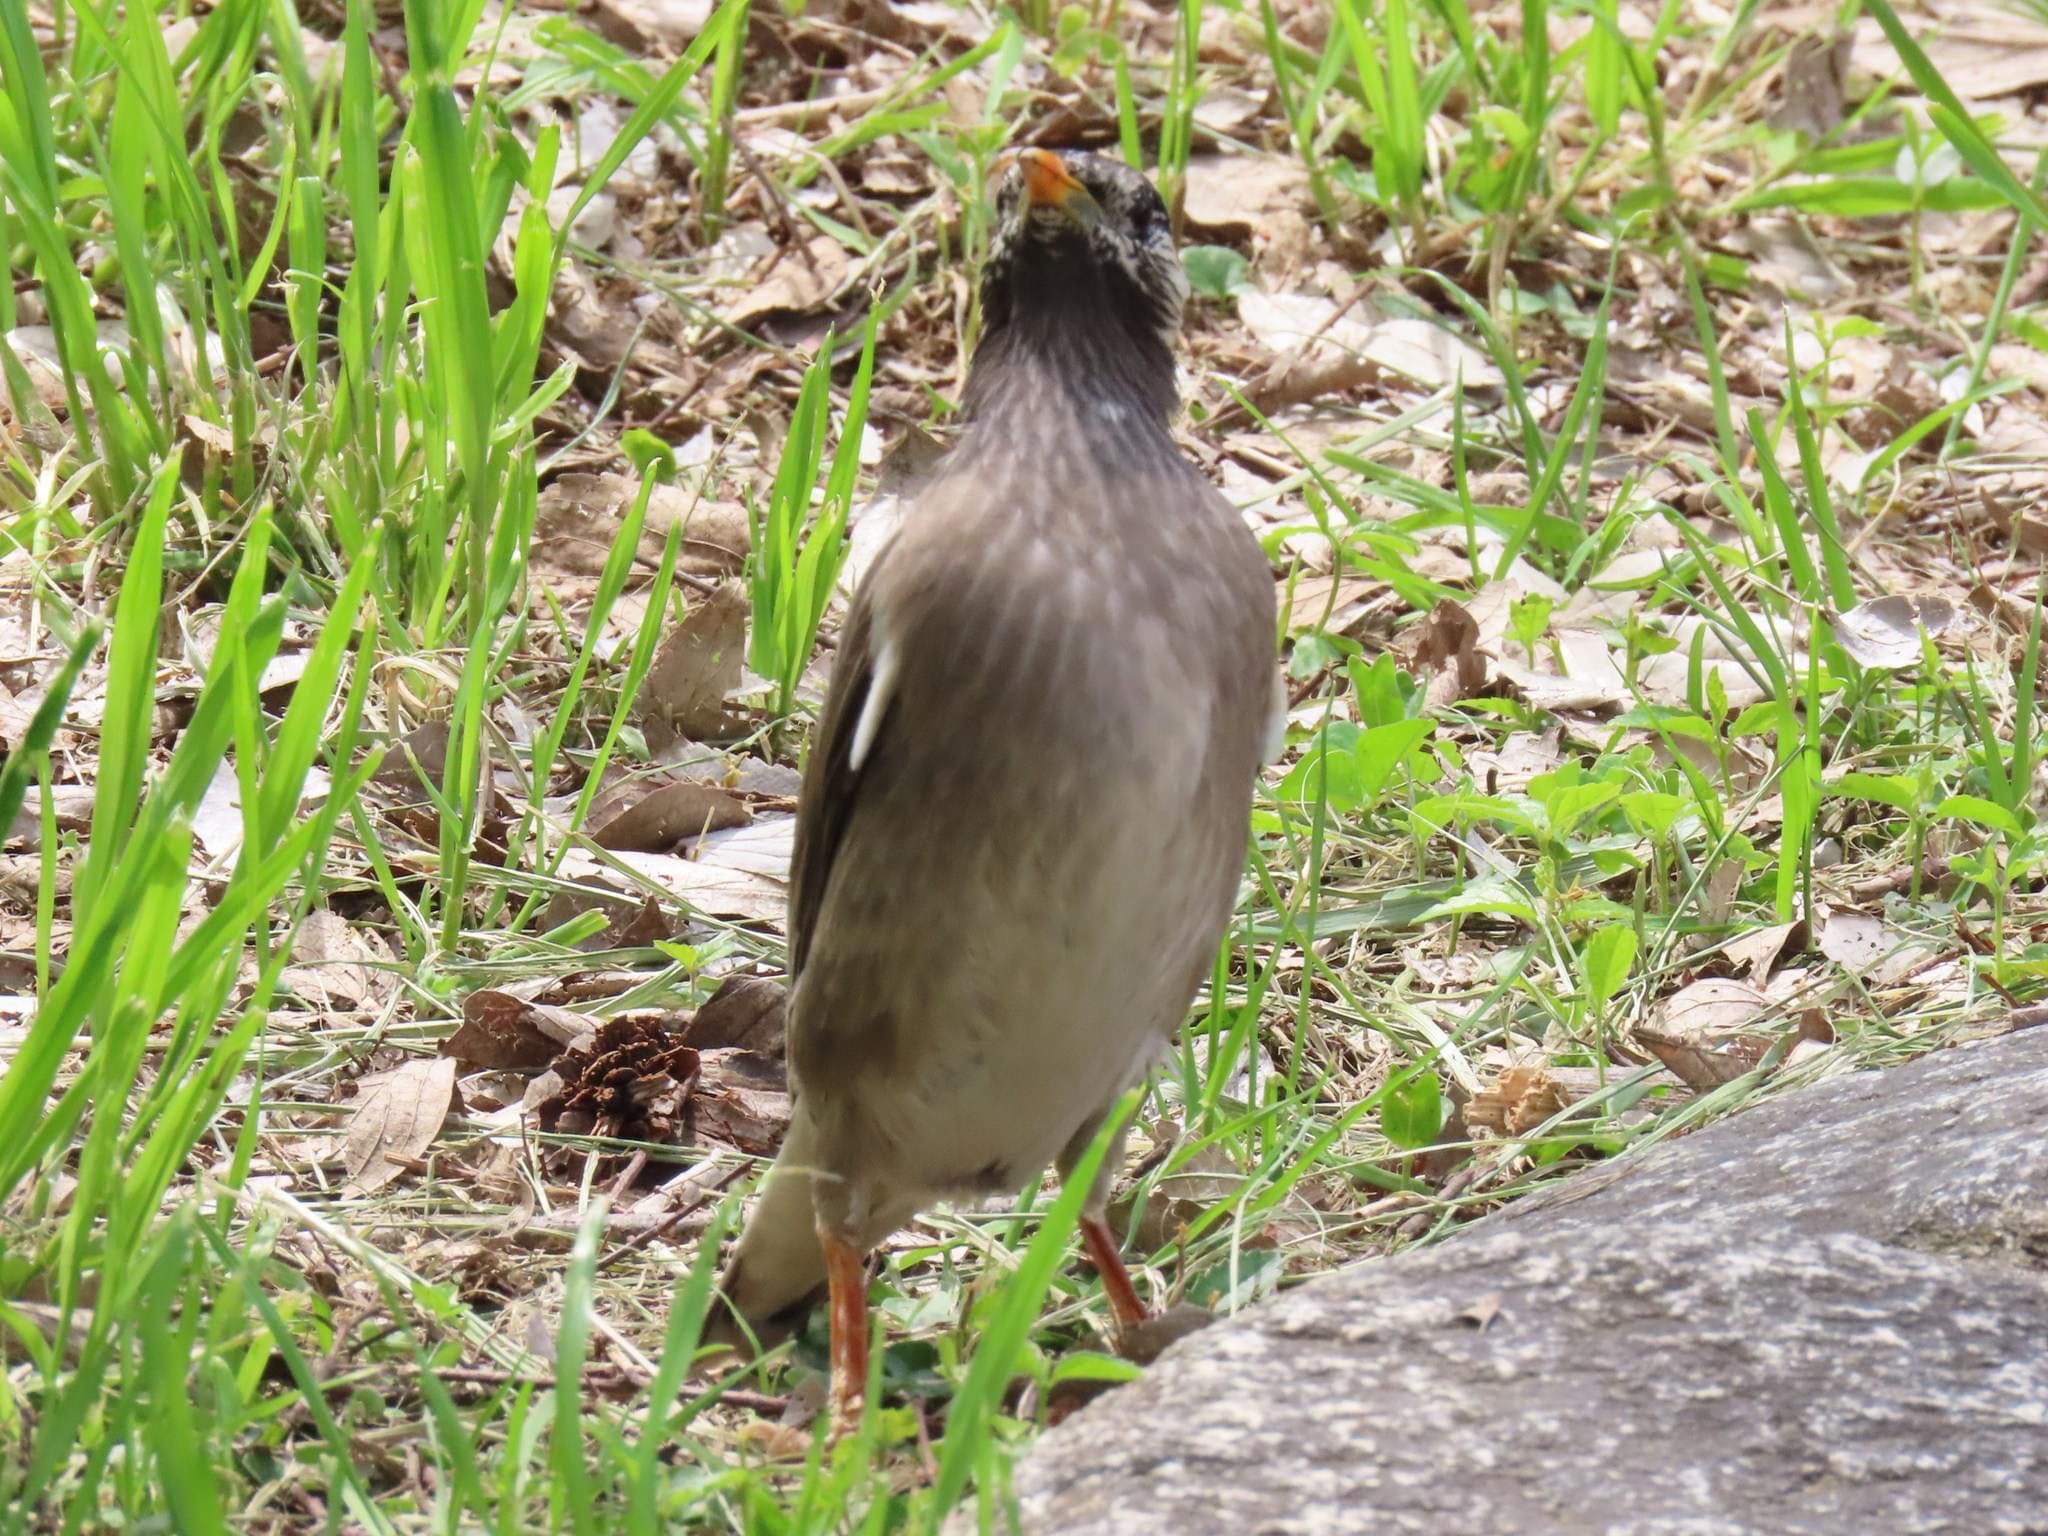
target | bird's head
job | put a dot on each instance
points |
(1082, 246)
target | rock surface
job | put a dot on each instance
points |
(1825, 1315)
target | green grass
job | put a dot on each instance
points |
(299, 355)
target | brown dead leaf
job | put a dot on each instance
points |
(425, 746)
(707, 888)
(1704, 1032)
(1757, 952)
(1444, 644)
(1983, 52)
(741, 1100)
(1205, 1178)
(1333, 603)
(1591, 680)
(1884, 633)
(1724, 884)
(799, 280)
(579, 517)
(1319, 332)
(1523, 756)
(1813, 93)
(638, 24)
(1482, 1312)
(654, 816)
(746, 1011)
(1516, 1102)
(1248, 197)
(338, 967)
(398, 1115)
(508, 1033)
(697, 665)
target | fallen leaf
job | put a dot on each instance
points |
(508, 1033)
(764, 848)
(579, 517)
(1334, 603)
(1702, 1032)
(1884, 633)
(1758, 951)
(700, 662)
(336, 966)
(798, 280)
(1205, 1178)
(1445, 644)
(217, 818)
(654, 817)
(398, 1115)
(1261, 197)
(746, 1011)
(1482, 1312)
(417, 758)
(705, 888)
(1855, 941)
(1591, 680)
(634, 24)
(1516, 1102)
(1320, 333)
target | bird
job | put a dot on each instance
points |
(1025, 806)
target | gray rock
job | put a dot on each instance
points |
(1826, 1315)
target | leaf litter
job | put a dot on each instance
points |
(1638, 665)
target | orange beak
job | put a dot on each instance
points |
(1049, 184)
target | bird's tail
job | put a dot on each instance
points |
(777, 1273)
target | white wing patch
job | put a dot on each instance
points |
(880, 681)
(1276, 722)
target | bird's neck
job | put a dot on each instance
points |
(1069, 352)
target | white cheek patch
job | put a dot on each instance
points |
(881, 680)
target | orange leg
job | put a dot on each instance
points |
(846, 1279)
(1116, 1280)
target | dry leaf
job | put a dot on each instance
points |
(1312, 327)
(1482, 1312)
(1885, 632)
(705, 888)
(654, 817)
(746, 1011)
(1334, 603)
(509, 1033)
(799, 280)
(700, 662)
(1758, 951)
(337, 967)
(1445, 644)
(398, 1115)
(579, 517)
(764, 848)
(1855, 941)
(1207, 1177)
(1245, 196)
(1702, 1031)
(1516, 1102)
(635, 24)
(1592, 681)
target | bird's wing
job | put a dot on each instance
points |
(854, 708)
